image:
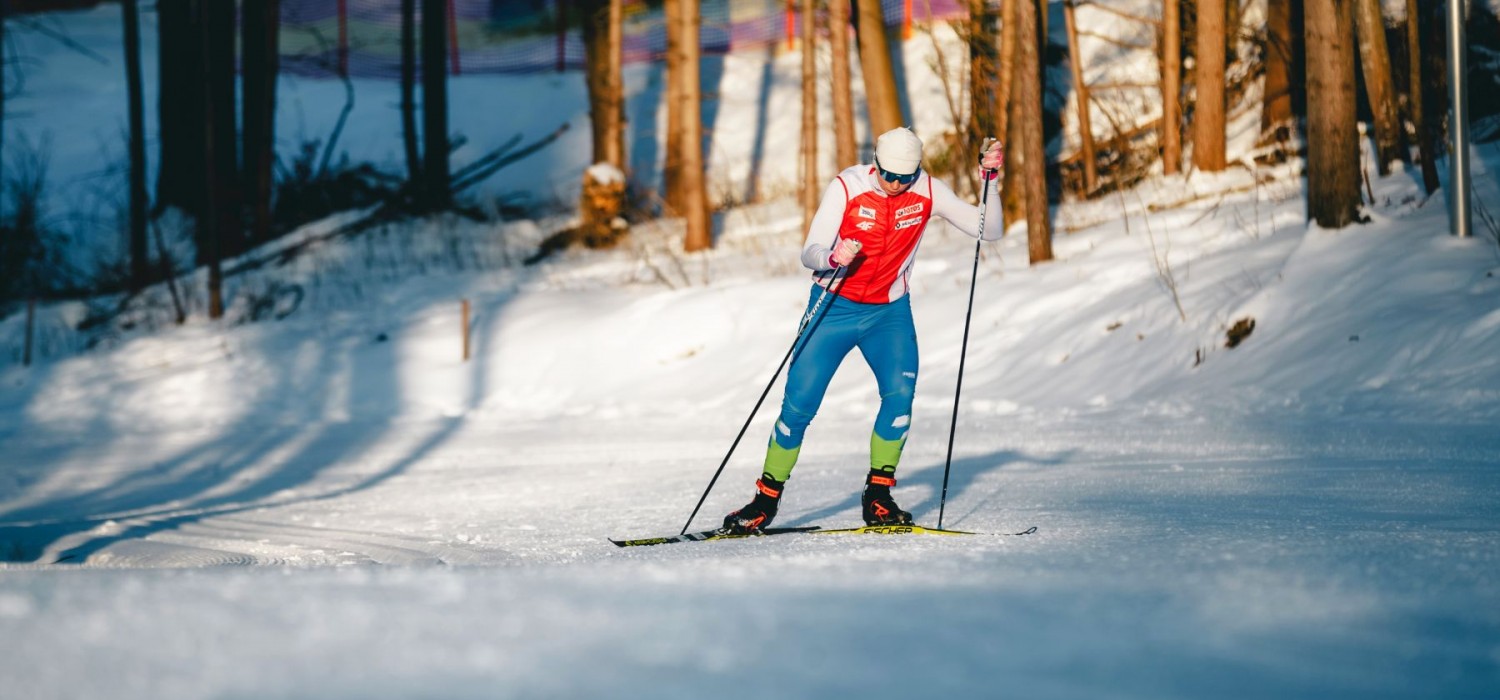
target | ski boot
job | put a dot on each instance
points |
(758, 513)
(879, 507)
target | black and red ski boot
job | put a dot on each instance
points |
(759, 512)
(879, 507)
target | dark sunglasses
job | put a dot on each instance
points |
(889, 176)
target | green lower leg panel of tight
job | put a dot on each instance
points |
(885, 454)
(780, 460)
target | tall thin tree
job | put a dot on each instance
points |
(1208, 108)
(1414, 99)
(181, 119)
(1013, 189)
(435, 146)
(1276, 100)
(1332, 139)
(1028, 76)
(844, 149)
(409, 133)
(671, 171)
(260, 65)
(600, 57)
(985, 100)
(1081, 89)
(135, 104)
(694, 192)
(880, 77)
(810, 186)
(1171, 86)
(1375, 60)
(217, 216)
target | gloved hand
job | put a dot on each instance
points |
(992, 159)
(844, 252)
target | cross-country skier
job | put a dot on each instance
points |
(865, 234)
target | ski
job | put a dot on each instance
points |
(916, 530)
(708, 535)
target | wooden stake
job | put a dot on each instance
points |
(466, 329)
(30, 325)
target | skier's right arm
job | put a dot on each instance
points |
(823, 234)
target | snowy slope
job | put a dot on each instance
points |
(337, 505)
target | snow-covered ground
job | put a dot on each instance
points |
(337, 505)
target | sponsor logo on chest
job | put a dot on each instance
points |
(909, 210)
(866, 212)
(908, 223)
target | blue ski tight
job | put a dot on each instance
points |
(886, 336)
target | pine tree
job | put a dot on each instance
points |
(1332, 136)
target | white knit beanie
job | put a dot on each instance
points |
(899, 151)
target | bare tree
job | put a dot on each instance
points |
(985, 100)
(1013, 189)
(1375, 60)
(1332, 137)
(1081, 88)
(1028, 77)
(135, 101)
(843, 100)
(810, 184)
(1208, 109)
(260, 29)
(1171, 87)
(672, 166)
(601, 52)
(1425, 151)
(218, 217)
(435, 105)
(409, 133)
(179, 174)
(694, 194)
(880, 77)
(1276, 102)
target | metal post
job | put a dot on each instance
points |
(1459, 214)
(30, 331)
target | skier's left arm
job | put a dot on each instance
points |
(965, 216)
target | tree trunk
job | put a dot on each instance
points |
(1081, 88)
(1276, 102)
(1013, 189)
(694, 192)
(672, 159)
(180, 173)
(409, 133)
(217, 220)
(615, 140)
(603, 86)
(435, 104)
(1332, 136)
(260, 28)
(880, 78)
(809, 186)
(1208, 109)
(844, 149)
(1028, 78)
(137, 119)
(1171, 87)
(1418, 113)
(985, 100)
(1375, 59)
(2, 90)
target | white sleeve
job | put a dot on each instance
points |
(823, 233)
(965, 216)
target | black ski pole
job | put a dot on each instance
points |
(807, 323)
(964, 352)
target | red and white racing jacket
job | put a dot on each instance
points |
(890, 229)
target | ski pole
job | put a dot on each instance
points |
(807, 323)
(964, 351)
